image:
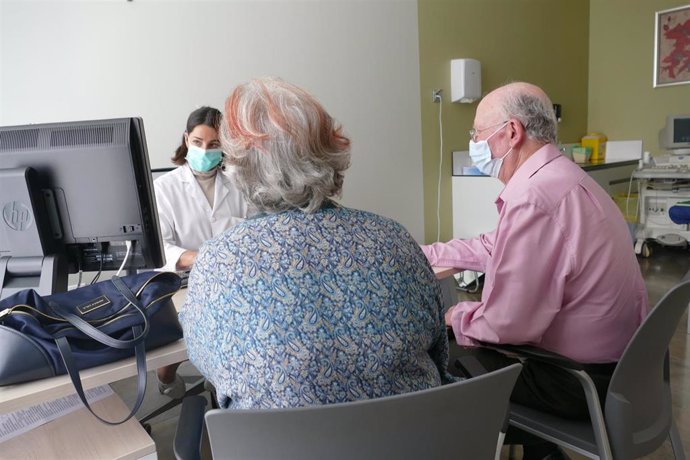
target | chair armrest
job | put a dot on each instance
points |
(537, 354)
(190, 424)
(470, 366)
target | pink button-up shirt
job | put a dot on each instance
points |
(560, 270)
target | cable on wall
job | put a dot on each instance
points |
(437, 98)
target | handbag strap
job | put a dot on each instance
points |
(101, 337)
(70, 365)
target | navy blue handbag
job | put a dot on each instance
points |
(45, 336)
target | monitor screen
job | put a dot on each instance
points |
(681, 130)
(675, 136)
(88, 185)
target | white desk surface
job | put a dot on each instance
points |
(79, 436)
(13, 397)
(445, 272)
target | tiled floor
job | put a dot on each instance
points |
(662, 270)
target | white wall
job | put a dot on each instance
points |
(78, 60)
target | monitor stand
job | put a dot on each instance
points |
(28, 255)
(46, 275)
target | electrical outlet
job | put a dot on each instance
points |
(436, 95)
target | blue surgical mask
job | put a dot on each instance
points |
(203, 160)
(480, 153)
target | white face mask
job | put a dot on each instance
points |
(480, 153)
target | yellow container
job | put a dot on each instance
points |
(597, 142)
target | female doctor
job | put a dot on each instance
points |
(196, 201)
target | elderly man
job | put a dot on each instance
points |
(560, 271)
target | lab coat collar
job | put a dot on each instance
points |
(187, 175)
(222, 187)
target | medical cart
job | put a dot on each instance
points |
(661, 187)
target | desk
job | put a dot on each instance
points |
(13, 397)
(79, 436)
(61, 437)
(445, 272)
(612, 175)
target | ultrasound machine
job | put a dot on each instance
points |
(664, 200)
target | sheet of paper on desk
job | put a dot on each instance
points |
(23, 420)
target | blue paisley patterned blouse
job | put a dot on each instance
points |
(296, 309)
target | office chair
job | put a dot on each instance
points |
(460, 420)
(637, 414)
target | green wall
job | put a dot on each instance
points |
(622, 102)
(545, 42)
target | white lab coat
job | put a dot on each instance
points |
(186, 218)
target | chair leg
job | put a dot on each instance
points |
(499, 446)
(502, 434)
(595, 413)
(190, 427)
(676, 442)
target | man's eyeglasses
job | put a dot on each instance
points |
(473, 132)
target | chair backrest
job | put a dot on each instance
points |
(638, 402)
(458, 420)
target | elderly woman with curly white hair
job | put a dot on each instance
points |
(309, 302)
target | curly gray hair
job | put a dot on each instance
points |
(285, 149)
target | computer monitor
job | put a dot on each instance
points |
(675, 136)
(72, 195)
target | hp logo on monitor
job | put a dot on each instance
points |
(17, 215)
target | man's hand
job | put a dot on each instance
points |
(448, 315)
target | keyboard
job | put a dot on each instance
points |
(184, 276)
(663, 172)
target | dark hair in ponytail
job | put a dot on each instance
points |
(202, 116)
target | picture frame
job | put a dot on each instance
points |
(672, 47)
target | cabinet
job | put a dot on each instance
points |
(474, 208)
(614, 177)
